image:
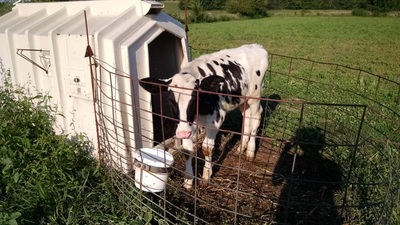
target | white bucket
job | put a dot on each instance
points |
(151, 169)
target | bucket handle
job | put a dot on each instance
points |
(153, 169)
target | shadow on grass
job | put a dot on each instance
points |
(309, 181)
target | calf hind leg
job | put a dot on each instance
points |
(254, 125)
(245, 128)
(252, 118)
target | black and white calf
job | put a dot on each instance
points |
(238, 71)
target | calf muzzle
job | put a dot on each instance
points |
(183, 134)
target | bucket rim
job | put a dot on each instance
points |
(154, 157)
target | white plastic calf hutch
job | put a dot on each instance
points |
(44, 44)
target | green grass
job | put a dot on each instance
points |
(368, 43)
(323, 35)
(373, 161)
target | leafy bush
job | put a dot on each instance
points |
(250, 8)
(362, 12)
(378, 11)
(47, 178)
(359, 12)
(198, 14)
(206, 4)
(5, 7)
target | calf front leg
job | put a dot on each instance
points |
(207, 148)
(187, 145)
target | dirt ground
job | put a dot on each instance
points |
(236, 186)
(260, 192)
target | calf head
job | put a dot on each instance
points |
(185, 97)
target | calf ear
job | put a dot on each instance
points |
(211, 83)
(154, 85)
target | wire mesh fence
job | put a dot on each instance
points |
(328, 150)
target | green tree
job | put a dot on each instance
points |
(205, 4)
(372, 5)
(251, 8)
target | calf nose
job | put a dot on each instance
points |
(183, 134)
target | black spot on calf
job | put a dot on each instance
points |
(227, 99)
(211, 68)
(258, 73)
(203, 74)
(233, 70)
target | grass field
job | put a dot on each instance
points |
(362, 42)
(368, 43)
(333, 36)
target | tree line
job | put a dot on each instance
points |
(372, 5)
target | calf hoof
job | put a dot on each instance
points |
(204, 182)
(188, 187)
(188, 184)
(238, 151)
(241, 149)
(250, 156)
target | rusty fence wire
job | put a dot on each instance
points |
(328, 150)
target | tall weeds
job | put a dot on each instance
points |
(47, 178)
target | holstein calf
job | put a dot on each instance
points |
(239, 72)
